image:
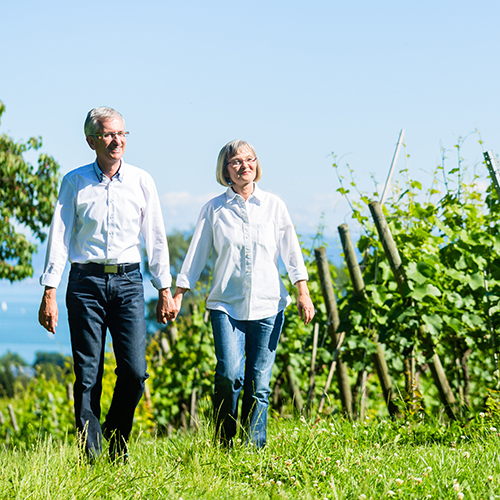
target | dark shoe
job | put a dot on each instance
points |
(118, 457)
(118, 450)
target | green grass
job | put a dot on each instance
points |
(316, 459)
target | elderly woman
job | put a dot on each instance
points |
(247, 230)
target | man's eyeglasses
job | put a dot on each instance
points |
(111, 135)
(239, 163)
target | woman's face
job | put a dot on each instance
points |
(242, 167)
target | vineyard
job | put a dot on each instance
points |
(406, 329)
(413, 331)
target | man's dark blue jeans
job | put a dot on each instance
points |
(97, 302)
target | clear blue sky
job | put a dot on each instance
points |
(299, 80)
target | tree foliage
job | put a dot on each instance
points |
(27, 198)
(9, 375)
(53, 365)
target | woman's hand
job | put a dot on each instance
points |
(178, 295)
(304, 303)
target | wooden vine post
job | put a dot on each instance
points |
(392, 254)
(294, 389)
(359, 291)
(335, 337)
(312, 371)
(13, 418)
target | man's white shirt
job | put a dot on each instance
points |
(97, 219)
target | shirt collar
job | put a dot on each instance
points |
(118, 176)
(255, 197)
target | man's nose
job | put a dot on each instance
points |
(117, 138)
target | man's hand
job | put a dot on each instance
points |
(165, 309)
(48, 314)
(304, 303)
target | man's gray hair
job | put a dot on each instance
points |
(226, 153)
(95, 118)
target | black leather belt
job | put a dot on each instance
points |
(93, 268)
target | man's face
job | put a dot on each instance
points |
(109, 149)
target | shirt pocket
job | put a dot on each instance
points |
(266, 235)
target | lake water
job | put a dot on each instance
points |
(19, 329)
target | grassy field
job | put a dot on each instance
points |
(305, 459)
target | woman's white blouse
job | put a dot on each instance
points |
(247, 240)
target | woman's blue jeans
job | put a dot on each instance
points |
(96, 303)
(245, 352)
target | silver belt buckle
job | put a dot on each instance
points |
(111, 269)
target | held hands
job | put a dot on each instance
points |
(168, 307)
(165, 306)
(304, 303)
(48, 314)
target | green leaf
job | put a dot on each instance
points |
(433, 323)
(419, 271)
(475, 280)
(422, 291)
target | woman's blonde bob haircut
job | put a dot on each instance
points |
(226, 153)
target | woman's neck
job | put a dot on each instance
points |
(244, 191)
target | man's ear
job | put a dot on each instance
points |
(91, 142)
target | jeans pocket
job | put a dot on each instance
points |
(134, 277)
(76, 276)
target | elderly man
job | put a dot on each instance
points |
(102, 211)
